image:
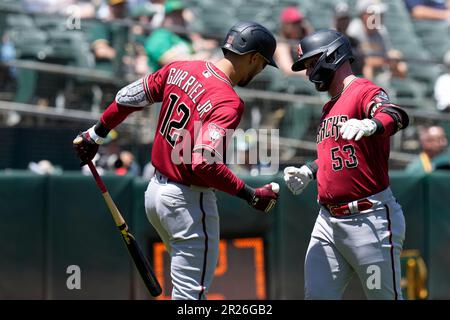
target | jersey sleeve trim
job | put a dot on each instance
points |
(217, 75)
(147, 90)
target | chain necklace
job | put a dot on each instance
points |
(343, 89)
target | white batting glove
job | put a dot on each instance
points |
(356, 129)
(297, 178)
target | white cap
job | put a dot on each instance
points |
(370, 6)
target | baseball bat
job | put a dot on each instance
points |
(146, 272)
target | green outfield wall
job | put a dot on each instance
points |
(52, 222)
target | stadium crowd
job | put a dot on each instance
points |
(127, 39)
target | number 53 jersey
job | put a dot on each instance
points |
(347, 169)
(200, 110)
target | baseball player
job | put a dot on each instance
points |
(199, 104)
(360, 227)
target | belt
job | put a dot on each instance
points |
(162, 179)
(347, 209)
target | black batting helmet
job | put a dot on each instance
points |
(333, 49)
(245, 37)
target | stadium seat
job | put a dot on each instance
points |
(26, 85)
(50, 23)
(409, 88)
(11, 5)
(293, 85)
(435, 37)
(19, 21)
(426, 73)
(301, 85)
(437, 45)
(296, 120)
(70, 48)
(29, 43)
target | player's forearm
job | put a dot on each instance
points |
(219, 177)
(390, 120)
(114, 115)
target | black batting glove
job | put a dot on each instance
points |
(86, 145)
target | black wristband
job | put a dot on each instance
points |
(101, 130)
(246, 193)
(380, 127)
(313, 167)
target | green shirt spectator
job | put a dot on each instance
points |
(423, 164)
(109, 39)
(434, 153)
(163, 45)
(166, 44)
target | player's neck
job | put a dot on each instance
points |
(340, 83)
(227, 67)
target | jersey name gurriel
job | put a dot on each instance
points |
(190, 85)
(195, 95)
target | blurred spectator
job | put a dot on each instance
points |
(44, 167)
(139, 63)
(397, 66)
(8, 76)
(341, 22)
(46, 6)
(125, 164)
(158, 18)
(145, 7)
(293, 27)
(81, 9)
(95, 161)
(110, 10)
(442, 87)
(429, 9)
(137, 3)
(8, 53)
(372, 36)
(143, 14)
(110, 39)
(396, 69)
(434, 153)
(171, 42)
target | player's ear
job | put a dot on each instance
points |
(254, 57)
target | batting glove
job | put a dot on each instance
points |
(297, 179)
(86, 145)
(262, 199)
(356, 129)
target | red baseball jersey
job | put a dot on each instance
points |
(347, 169)
(199, 107)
